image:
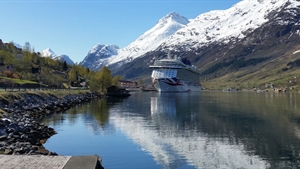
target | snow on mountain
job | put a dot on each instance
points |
(150, 40)
(17, 45)
(103, 50)
(98, 56)
(63, 58)
(174, 32)
(226, 25)
(48, 53)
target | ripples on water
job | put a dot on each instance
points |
(184, 130)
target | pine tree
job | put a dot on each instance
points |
(65, 66)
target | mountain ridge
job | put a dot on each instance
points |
(98, 56)
(48, 52)
(225, 25)
(259, 55)
(148, 41)
(217, 26)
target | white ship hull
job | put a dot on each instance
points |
(172, 75)
(171, 85)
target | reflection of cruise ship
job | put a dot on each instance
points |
(165, 106)
(173, 75)
(175, 140)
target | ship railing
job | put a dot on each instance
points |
(166, 67)
(166, 63)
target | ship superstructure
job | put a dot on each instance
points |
(173, 75)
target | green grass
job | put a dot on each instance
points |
(245, 79)
(18, 81)
(66, 85)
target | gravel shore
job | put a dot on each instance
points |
(20, 133)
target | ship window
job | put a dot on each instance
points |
(164, 73)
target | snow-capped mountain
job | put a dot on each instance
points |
(99, 55)
(150, 40)
(221, 41)
(249, 36)
(63, 58)
(49, 53)
(225, 26)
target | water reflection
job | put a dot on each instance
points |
(262, 123)
(94, 115)
(199, 130)
(173, 134)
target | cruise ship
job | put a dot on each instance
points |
(174, 75)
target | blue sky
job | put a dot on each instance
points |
(73, 27)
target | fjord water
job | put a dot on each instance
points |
(183, 130)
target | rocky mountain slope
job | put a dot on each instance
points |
(99, 56)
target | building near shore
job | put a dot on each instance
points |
(127, 84)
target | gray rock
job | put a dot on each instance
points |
(3, 137)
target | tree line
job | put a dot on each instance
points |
(49, 71)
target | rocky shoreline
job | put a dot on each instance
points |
(20, 133)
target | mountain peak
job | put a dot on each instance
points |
(99, 54)
(48, 49)
(63, 58)
(173, 16)
(151, 39)
(110, 55)
(99, 49)
(48, 53)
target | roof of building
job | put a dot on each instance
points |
(126, 81)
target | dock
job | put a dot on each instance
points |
(50, 162)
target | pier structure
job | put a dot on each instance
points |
(50, 162)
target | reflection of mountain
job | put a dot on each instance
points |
(173, 136)
(207, 130)
(263, 122)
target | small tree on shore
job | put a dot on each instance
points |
(100, 80)
(140, 83)
(115, 80)
(105, 78)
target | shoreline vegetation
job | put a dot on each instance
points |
(20, 131)
(32, 87)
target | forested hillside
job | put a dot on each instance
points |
(25, 68)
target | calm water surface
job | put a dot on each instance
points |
(184, 130)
